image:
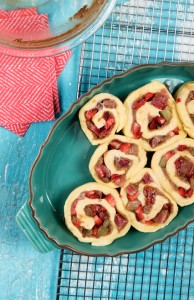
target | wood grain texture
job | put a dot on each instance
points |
(25, 273)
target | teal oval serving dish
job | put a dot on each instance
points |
(62, 165)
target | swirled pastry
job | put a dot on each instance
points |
(185, 106)
(94, 213)
(174, 167)
(149, 207)
(117, 160)
(152, 117)
(101, 117)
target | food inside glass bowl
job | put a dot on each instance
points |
(49, 27)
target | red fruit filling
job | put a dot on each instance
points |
(182, 192)
(148, 96)
(140, 102)
(95, 230)
(165, 158)
(125, 147)
(178, 100)
(101, 219)
(118, 179)
(190, 193)
(93, 194)
(134, 205)
(73, 208)
(97, 220)
(169, 154)
(106, 129)
(149, 223)
(159, 139)
(160, 99)
(90, 113)
(147, 178)
(185, 168)
(139, 212)
(97, 208)
(109, 123)
(162, 216)
(150, 193)
(103, 173)
(152, 125)
(121, 162)
(111, 200)
(156, 122)
(76, 222)
(93, 128)
(166, 206)
(120, 221)
(173, 132)
(136, 130)
(176, 131)
(177, 164)
(182, 147)
(108, 103)
(132, 192)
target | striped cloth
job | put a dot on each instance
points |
(28, 86)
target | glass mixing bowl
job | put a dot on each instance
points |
(64, 24)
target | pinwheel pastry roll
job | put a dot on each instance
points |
(152, 117)
(148, 206)
(117, 160)
(101, 117)
(94, 213)
(185, 106)
(174, 167)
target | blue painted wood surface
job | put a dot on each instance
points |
(25, 273)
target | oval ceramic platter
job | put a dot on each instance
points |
(62, 165)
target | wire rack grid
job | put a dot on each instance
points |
(137, 32)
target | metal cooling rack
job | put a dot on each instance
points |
(137, 32)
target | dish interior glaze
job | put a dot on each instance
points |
(62, 165)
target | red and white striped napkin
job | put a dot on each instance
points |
(28, 86)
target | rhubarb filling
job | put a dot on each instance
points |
(160, 101)
(117, 157)
(100, 121)
(184, 169)
(98, 222)
(154, 208)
